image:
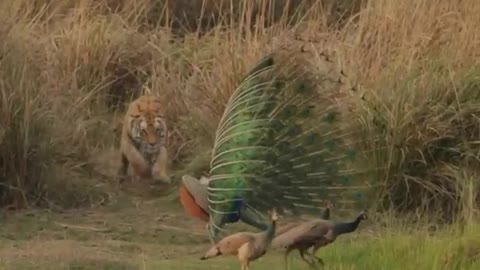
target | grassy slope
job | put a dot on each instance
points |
(134, 234)
(415, 59)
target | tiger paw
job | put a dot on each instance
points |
(164, 180)
(120, 178)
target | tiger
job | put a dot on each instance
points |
(143, 140)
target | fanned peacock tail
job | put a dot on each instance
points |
(281, 143)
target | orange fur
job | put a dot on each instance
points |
(143, 140)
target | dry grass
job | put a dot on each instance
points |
(68, 68)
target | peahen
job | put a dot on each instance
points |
(246, 246)
(281, 142)
(286, 227)
(314, 233)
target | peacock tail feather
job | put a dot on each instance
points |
(281, 143)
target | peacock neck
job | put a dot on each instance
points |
(270, 232)
(325, 214)
(346, 227)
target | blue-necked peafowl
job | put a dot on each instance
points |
(281, 143)
(314, 234)
(193, 195)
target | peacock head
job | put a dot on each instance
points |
(204, 180)
(329, 204)
(191, 179)
(275, 215)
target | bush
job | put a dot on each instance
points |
(25, 145)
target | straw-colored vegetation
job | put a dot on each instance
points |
(67, 69)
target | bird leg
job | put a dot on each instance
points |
(212, 241)
(314, 251)
(302, 255)
(244, 264)
(213, 232)
(319, 260)
(315, 260)
(286, 257)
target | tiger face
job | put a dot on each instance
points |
(148, 128)
(149, 132)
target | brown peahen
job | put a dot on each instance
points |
(245, 245)
(314, 233)
(325, 215)
(291, 225)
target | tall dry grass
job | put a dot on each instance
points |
(68, 68)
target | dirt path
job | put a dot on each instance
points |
(128, 229)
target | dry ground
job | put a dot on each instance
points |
(142, 233)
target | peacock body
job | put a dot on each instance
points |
(281, 143)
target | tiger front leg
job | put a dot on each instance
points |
(160, 167)
(131, 156)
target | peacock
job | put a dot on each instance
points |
(193, 195)
(282, 142)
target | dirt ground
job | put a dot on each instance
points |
(128, 228)
(140, 227)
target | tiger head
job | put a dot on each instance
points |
(147, 125)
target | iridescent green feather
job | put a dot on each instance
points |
(280, 144)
